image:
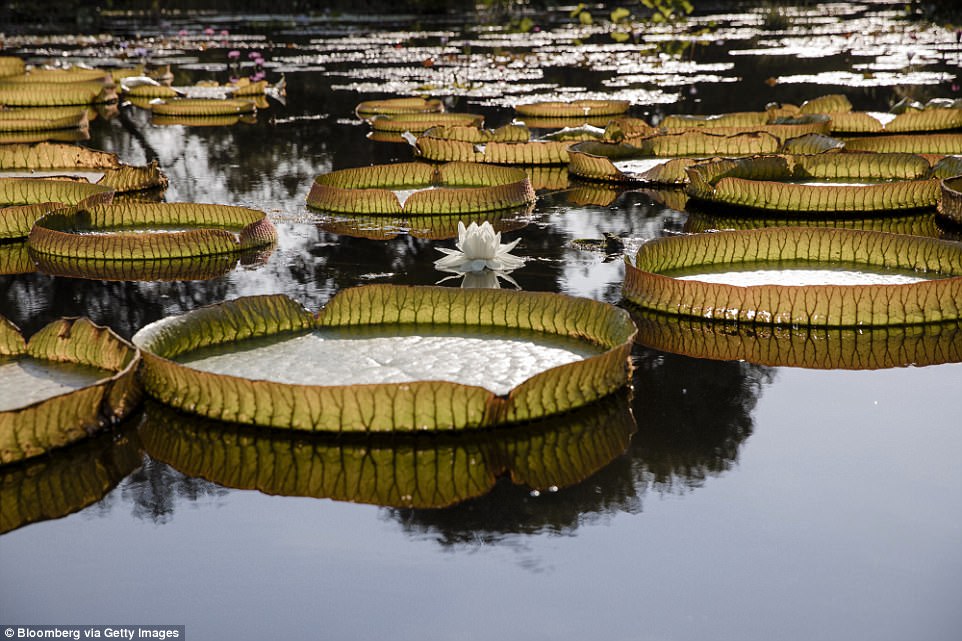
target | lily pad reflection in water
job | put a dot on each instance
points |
(418, 471)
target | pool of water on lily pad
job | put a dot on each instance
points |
(751, 502)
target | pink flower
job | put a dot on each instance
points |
(209, 31)
(234, 54)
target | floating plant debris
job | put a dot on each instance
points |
(450, 188)
(70, 380)
(427, 404)
(650, 284)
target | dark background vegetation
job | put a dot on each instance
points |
(16, 15)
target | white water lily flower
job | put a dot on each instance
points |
(478, 248)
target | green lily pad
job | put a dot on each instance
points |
(170, 269)
(43, 119)
(667, 277)
(19, 94)
(392, 106)
(410, 404)
(573, 109)
(183, 107)
(143, 231)
(941, 144)
(829, 183)
(416, 471)
(663, 158)
(951, 204)
(59, 158)
(418, 122)
(420, 188)
(919, 224)
(534, 152)
(70, 380)
(11, 66)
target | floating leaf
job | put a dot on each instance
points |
(536, 152)
(17, 221)
(31, 428)
(43, 118)
(913, 224)
(33, 191)
(135, 231)
(450, 188)
(399, 106)
(171, 269)
(908, 144)
(57, 157)
(898, 181)
(202, 107)
(60, 76)
(648, 284)
(419, 405)
(418, 122)
(10, 66)
(573, 109)
(149, 92)
(74, 93)
(832, 104)
(951, 204)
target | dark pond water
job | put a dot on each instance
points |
(722, 499)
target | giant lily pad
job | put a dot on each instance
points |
(936, 144)
(672, 276)
(60, 76)
(535, 152)
(181, 107)
(828, 183)
(418, 122)
(808, 347)
(748, 122)
(914, 224)
(417, 471)
(170, 269)
(573, 109)
(101, 167)
(393, 106)
(420, 188)
(70, 380)
(440, 227)
(24, 201)
(16, 94)
(150, 231)
(402, 319)
(43, 119)
(661, 159)
(10, 66)
(52, 487)
(951, 204)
